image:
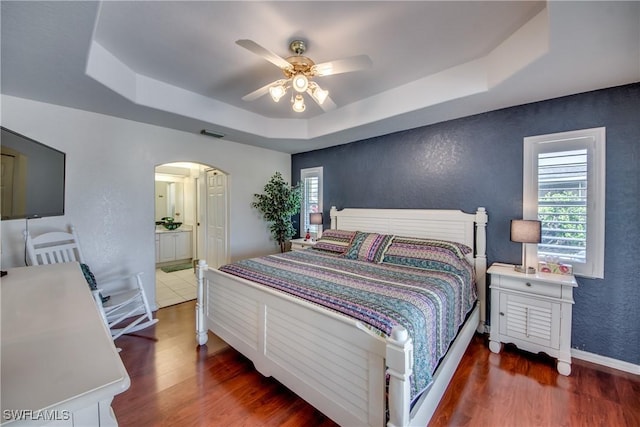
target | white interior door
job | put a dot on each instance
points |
(216, 224)
(199, 231)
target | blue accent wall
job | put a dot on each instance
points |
(477, 161)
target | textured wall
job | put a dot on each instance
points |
(110, 175)
(477, 161)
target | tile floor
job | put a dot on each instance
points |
(174, 288)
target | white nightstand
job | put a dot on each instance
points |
(532, 311)
(299, 244)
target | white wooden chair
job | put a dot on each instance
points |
(124, 311)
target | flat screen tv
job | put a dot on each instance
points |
(32, 178)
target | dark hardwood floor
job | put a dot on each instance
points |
(176, 383)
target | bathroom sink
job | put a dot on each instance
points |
(171, 225)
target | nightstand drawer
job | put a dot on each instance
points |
(532, 287)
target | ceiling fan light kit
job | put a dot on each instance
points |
(299, 70)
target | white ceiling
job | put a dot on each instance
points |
(176, 64)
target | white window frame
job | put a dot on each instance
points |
(304, 215)
(594, 141)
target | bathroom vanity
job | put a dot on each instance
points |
(173, 245)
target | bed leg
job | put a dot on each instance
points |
(201, 326)
(399, 367)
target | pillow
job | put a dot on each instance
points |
(91, 281)
(421, 253)
(337, 241)
(369, 246)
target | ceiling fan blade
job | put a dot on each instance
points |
(326, 105)
(346, 65)
(254, 47)
(257, 93)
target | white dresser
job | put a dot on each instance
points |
(532, 311)
(59, 364)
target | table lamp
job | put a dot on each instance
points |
(525, 231)
(315, 218)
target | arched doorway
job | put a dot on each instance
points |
(195, 195)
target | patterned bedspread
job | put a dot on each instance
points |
(431, 303)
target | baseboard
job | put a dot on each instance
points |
(606, 361)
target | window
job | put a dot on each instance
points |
(311, 180)
(564, 187)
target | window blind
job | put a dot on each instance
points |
(310, 200)
(562, 204)
(311, 181)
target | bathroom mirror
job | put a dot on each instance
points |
(169, 200)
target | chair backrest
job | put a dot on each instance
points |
(53, 248)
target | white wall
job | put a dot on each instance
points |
(110, 169)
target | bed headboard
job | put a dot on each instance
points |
(452, 225)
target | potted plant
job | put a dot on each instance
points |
(278, 204)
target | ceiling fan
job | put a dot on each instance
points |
(299, 71)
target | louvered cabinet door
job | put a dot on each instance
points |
(530, 320)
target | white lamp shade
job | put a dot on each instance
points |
(298, 104)
(525, 231)
(318, 93)
(315, 218)
(277, 92)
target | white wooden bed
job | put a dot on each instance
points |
(330, 360)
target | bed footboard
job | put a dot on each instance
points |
(333, 362)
